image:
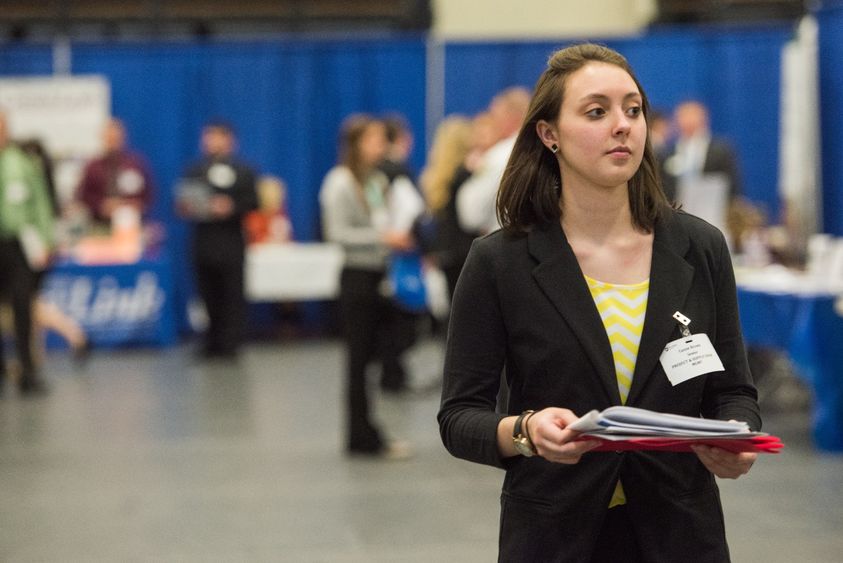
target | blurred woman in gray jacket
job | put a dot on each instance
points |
(353, 200)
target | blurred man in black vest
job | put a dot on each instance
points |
(215, 194)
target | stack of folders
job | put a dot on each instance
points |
(630, 428)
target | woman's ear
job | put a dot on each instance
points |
(547, 135)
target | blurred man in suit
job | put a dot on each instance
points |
(696, 151)
(700, 170)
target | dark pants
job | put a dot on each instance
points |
(396, 337)
(617, 539)
(220, 284)
(17, 286)
(364, 312)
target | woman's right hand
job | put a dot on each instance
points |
(552, 439)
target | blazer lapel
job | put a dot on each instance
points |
(559, 276)
(670, 280)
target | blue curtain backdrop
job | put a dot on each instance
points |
(287, 97)
(26, 60)
(831, 117)
(735, 72)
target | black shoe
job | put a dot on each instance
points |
(218, 353)
(394, 387)
(390, 451)
(228, 353)
(394, 380)
(32, 386)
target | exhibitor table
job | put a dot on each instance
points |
(799, 317)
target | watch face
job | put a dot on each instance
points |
(523, 447)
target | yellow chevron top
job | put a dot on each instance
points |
(622, 309)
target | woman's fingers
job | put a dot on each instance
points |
(553, 441)
(570, 452)
(723, 463)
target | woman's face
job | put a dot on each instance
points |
(372, 144)
(601, 128)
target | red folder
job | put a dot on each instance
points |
(760, 444)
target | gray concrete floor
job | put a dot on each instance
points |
(156, 456)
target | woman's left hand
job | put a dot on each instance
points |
(723, 463)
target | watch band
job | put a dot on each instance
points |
(516, 429)
(520, 438)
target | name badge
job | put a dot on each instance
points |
(16, 192)
(222, 175)
(689, 357)
(130, 182)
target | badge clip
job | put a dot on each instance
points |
(683, 323)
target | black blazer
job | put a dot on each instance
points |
(522, 303)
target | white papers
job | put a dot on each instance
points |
(628, 428)
(195, 198)
(624, 422)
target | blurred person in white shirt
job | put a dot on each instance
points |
(476, 199)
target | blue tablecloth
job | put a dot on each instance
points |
(809, 330)
(117, 304)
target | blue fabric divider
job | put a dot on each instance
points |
(288, 97)
(26, 60)
(286, 100)
(831, 118)
(735, 72)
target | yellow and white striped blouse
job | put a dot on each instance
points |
(622, 309)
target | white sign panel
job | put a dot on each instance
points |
(66, 113)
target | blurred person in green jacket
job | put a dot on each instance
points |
(26, 241)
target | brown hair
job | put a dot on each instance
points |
(529, 193)
(396, 125)
(352, 130)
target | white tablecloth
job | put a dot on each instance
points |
(293, 271)
(780, 280)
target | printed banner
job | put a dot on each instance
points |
(116, 305)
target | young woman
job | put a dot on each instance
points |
(574, 299)
(355, 214)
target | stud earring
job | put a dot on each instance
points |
(554, 148)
